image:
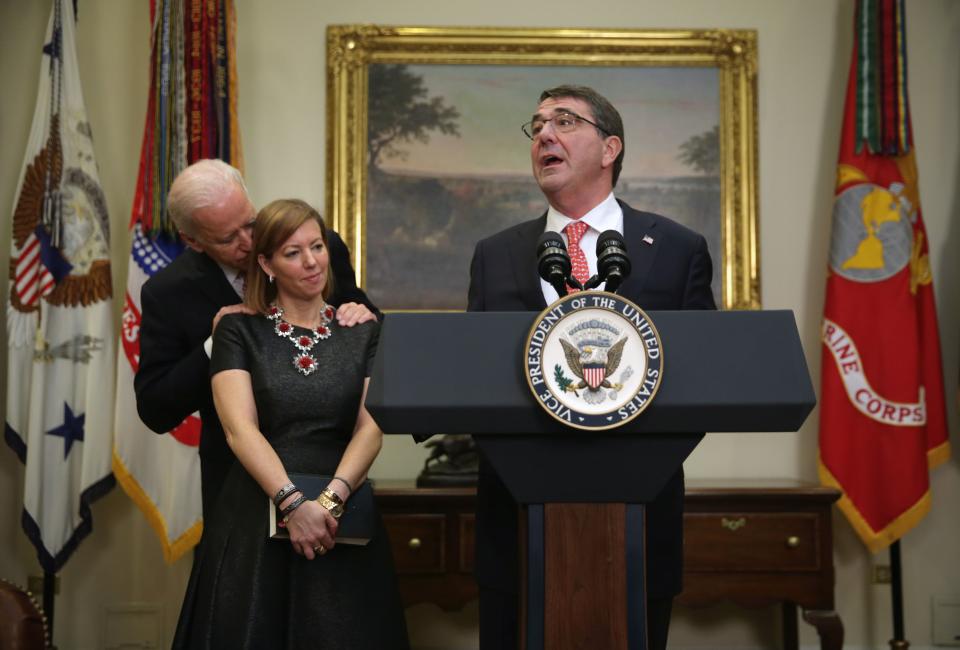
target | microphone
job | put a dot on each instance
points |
(553, 262)
(613, 265)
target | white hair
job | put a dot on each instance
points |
(201, 185)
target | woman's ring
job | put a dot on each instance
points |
(319, 550)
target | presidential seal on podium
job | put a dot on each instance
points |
(593, 360)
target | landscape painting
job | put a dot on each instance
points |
(449, 165)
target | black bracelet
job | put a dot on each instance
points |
(296, 503)
(288, 495)
(283, 493)
(345, 482)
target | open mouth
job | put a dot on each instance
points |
(550, 161)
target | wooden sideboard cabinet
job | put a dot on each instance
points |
(750, 543)
(759, 544)
(431, 534)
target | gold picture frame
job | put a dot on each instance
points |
(353, 49)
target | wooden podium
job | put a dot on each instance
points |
(585, 538)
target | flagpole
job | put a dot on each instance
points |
(49, 585)
(898, 642)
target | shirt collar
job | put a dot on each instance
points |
(604, 216)
(233, 276)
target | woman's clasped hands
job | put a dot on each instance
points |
(312, 529)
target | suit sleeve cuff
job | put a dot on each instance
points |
(208, 346)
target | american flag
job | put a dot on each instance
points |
(33, 279)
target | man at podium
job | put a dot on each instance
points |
(576, 150)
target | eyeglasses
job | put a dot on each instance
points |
(564, 122)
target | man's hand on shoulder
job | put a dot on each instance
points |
(354, 313)
(229, 309)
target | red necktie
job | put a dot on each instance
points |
(578, 260)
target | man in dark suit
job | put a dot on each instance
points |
(577, 146)
(182, 304)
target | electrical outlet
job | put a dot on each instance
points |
(881, 574)
(132, 626)
(946, 621)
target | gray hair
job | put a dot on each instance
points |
(201, 185)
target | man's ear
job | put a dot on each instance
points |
(192, 242)
(612, 147)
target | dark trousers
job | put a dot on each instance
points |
(499, 623)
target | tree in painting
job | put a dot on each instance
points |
(400, 111)
(702, 152)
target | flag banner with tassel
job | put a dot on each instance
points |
(191, 115)
(882, 411)
(60, 333)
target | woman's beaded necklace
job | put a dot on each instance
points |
(303, 361)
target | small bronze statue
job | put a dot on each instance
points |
(453, 461)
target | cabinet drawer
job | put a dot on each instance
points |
(751, 541)
(418, 542)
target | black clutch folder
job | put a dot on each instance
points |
(357, 524)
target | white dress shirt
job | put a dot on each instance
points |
(234, 277)
(606, 216)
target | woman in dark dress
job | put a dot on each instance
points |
(289, 385)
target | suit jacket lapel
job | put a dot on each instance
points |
(636, 226)
(522, 255)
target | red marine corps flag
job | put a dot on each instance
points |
(882, 412)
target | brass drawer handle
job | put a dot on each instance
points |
(414, 543)
(793, 541)
(733, 525)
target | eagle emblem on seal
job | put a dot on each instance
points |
(593, 357)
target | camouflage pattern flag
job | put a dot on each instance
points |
(882, 411)
(60, 376)
(191, 115)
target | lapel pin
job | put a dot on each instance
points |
(648, 240)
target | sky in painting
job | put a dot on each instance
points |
(661, 107)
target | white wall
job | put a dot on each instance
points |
(804, 57)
